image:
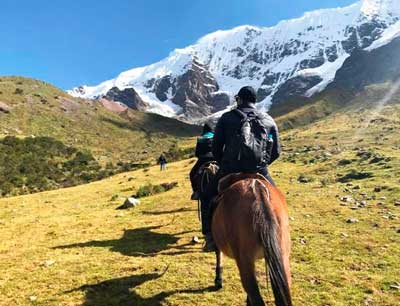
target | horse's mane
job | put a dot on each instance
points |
(231, 179)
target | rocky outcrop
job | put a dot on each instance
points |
(127, 96)
(4, 108)
(363, 68)
(295, 87)
(195, 91)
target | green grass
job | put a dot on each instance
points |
(144, 256)
(40, 109)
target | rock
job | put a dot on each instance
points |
(377, 189)
(352, 220)
(347, 199)
(48, 263)
(195, 240)
(4, 108)
(397, 203)
(127, 96)
(304, 179)
(344, 235)
(382, 198)
(129, 203)
(33, 298)
(292, 218)
(302, 241)
(395, 286)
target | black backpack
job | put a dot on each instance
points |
(248, 148)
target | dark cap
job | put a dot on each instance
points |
(247, 94)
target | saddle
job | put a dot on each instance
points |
(229, 180)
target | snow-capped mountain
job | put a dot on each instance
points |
(297, 57)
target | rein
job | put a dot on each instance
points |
(211, 168)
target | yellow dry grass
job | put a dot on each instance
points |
(72, 247)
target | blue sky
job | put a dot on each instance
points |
(75, 42)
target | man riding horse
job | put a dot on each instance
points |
(204, 155)
(225, 149)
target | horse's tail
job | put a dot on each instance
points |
(266, 225)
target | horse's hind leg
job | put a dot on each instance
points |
(218, 271)
(249, 282)
(285, 249)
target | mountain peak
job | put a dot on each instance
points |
(297, 57)
(380, 8)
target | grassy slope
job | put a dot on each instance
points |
(301, 112)
(108, 257)
(45, 110)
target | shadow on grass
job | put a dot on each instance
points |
(166, 212)
(121, 292)
(140, 242)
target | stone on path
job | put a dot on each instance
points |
(195, 240)
(129, 203)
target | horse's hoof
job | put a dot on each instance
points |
(218, 285)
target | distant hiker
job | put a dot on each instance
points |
(163, 162)
(204, 155)
(245, 140)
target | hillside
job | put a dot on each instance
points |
(36, 108)
(336, 100)
(341, 178)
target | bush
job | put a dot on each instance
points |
(303, 178)
(175, 153)
(43, 163)
(150, 189)
(344, 162)
(18, 91)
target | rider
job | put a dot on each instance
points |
(204, 155)
(226, 129)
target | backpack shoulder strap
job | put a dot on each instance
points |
(241, 114)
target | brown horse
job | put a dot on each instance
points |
(250, 223)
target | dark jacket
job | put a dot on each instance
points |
(204, 146)
(162, 159)
(229, 125)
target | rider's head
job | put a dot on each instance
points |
(246, 95)
(207, 127)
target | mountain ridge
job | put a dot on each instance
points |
(297, 57)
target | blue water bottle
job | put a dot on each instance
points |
(270, 144)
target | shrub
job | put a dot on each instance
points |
(344, 162)
(303, 178)
(150, 189)
(18, 91)
(43, 163)
(175, 153)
